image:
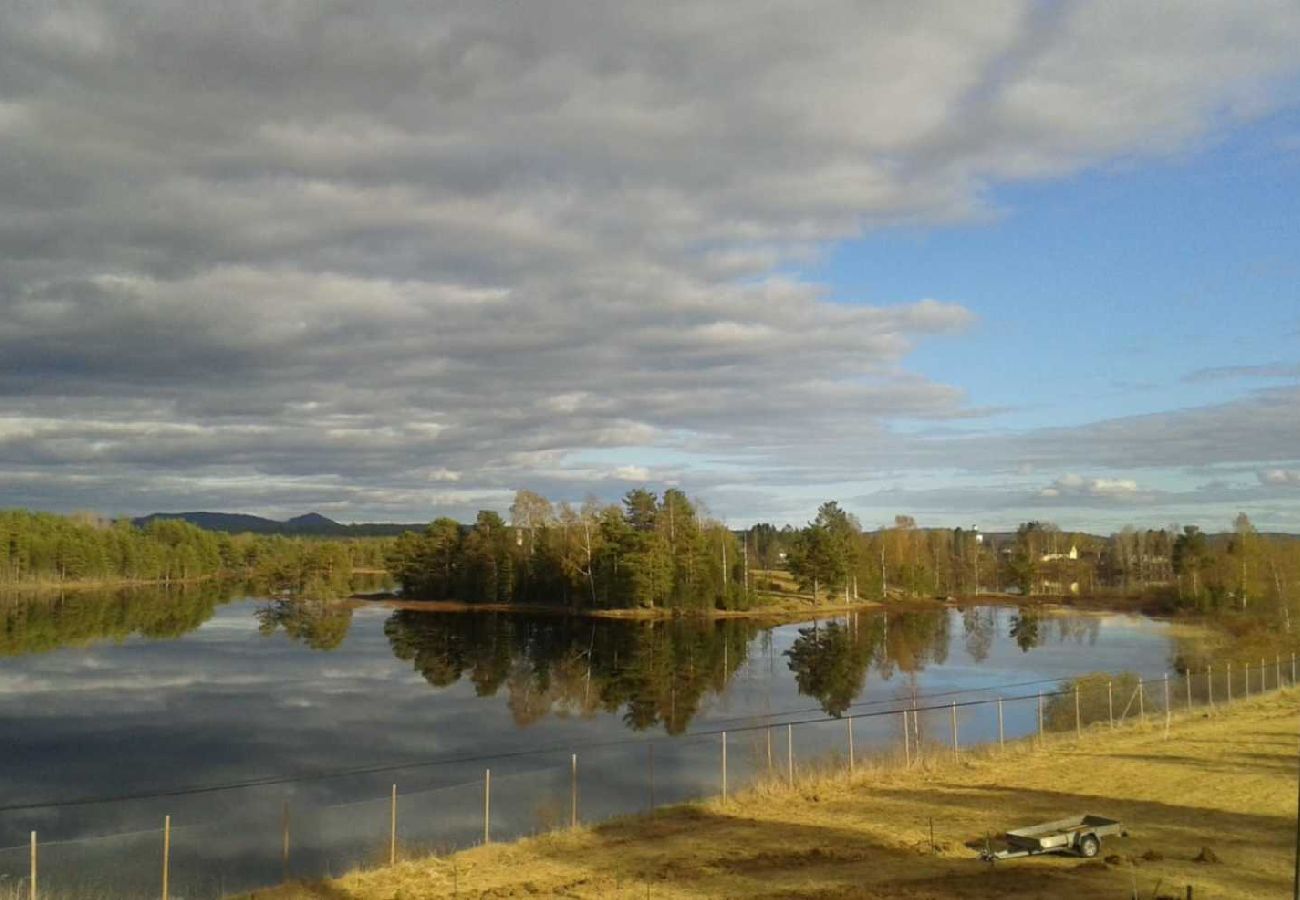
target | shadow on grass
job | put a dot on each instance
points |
(708, 853)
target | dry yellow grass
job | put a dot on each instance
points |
(1226, 782)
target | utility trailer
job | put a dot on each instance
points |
(1079, 835)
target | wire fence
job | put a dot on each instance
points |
(548, 790)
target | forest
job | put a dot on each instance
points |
(653, 551)
(39, 549)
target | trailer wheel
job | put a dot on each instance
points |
(1089, 846)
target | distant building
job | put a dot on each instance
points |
(1053, 557)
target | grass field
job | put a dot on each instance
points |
(1224, 783)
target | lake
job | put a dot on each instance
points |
(232, 715)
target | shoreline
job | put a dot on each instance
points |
(46, 587)
(769, 613)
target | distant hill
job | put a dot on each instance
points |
(310, 525)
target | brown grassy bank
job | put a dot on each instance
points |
(792, 609)
(1226, 782)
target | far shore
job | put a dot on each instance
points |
(96, 584)
(784, 611)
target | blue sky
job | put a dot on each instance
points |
(960, 261)
(1100, 293)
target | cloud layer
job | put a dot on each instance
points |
(403, 259)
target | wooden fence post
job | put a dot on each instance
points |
(167, 855)
(724, 767)
(573, 788)
(392, 828)
(849, 722)
(1040, 718)
(1292, 670)
(769, 751)
(31, 882)
(1245, 670)
(907, 740)
(1078, 718)
(1001, 734)
(1110, 704)
(487, 806)
(956, 750)
(284, 840)
(1168, 710)
(1142, 707)
(789, 751)
(1277, 672)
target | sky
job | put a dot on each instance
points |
(977, 263)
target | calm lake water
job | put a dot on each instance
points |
(319, 709)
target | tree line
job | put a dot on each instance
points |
(652, 551)
(647, 552)
(46, 549)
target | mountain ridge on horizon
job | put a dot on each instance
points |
(310, 524)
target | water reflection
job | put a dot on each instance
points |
(656, 673)
(320, 624)
(42, 622)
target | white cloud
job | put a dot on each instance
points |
(1076, 485)
(1280, 477)
(305, 257)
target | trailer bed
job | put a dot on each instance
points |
(1080, 835)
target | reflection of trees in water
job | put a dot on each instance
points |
(1030, 628)
(831, 661)
(980, 627)
(320, 624)
(1078, 629)
(43, 622)
(659, 673)
(1026, 628)
(656, 672)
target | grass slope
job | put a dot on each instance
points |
(1226, 782)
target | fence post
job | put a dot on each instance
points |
(1245, 670)
(1001, 734)
(167, 855)
(1277, 672)
(789, 751)
(651, 748)
(284, 840)
(907, 740)
(1110, 704)
(769, 751)
(1263, 675)
(1292, 670)
(1187, 680)
(1078, 719)
(31, 883)
(849, 722)
(487, 806)
(573, 788)
(392, 828)
(724, 767)
(1168, 712)
(1142, 706)
(1040, 718)
(956, 750)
